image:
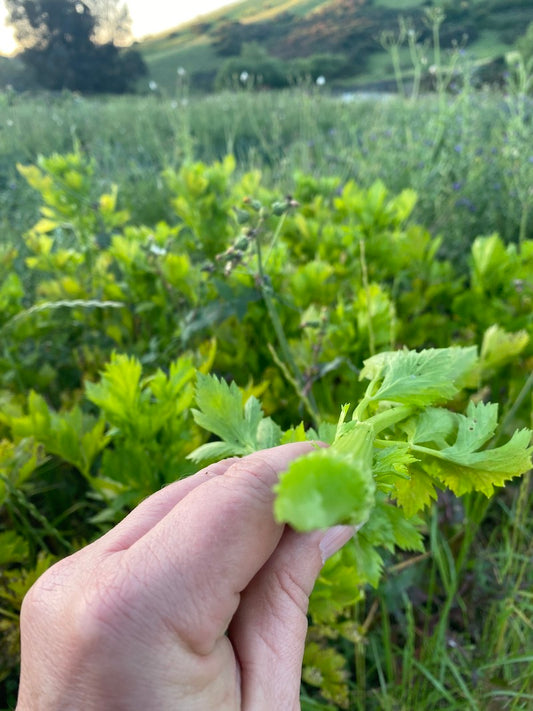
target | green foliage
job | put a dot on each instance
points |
(393, 423)
(242, 428)
(253, 67)
(294, 301)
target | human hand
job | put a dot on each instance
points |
(196, 601)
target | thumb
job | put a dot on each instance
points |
(269, 628)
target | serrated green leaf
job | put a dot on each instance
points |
(460, 465)
(404, 529)
(474, 429)
(212, 452)
(119, 391)
(326, 432)
(420, 378)
(464, 471)
(268, 434)
(392, 462)
(74, 436)
(325, 668)
(336, 588)
(435, 425)
(416, 492)
(243, 429)
(221, 412)
(388, 527)
(369, 563)
(294, 434)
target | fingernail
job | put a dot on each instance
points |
(334, 539)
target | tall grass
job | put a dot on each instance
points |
(470, 158)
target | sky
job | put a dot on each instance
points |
(148, 16)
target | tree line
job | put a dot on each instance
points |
(76, 44)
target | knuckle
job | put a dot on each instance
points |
(291, 589)
(257, 473)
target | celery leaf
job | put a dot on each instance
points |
(419, 378)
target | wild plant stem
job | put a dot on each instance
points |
(366, 284)
(511, 413)
(292, 367)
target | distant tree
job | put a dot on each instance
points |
(58, 38)
(228, 39)
(253, 68)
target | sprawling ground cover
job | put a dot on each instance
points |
(388, 240)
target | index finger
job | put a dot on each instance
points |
(205, 551)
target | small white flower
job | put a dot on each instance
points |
(321, 80)
(152, 85)
(181, 71)
(432, 69)
(9, 123)
(244, 77)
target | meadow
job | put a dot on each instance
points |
(277, 240)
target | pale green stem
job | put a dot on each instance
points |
(366, 284)
(282, 340)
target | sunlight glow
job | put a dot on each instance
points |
(147, 17)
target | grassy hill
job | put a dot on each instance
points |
(340, 39)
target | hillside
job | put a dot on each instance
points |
(281, 41)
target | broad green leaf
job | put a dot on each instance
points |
(435, 425)
(421, 378)
(499, 347)
(13, 548)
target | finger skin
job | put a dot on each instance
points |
(270, 626)
(221, 538)
(150, 511)
(137, 620)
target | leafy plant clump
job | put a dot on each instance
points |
(404, 442)
(400, 445)
(119, 340)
